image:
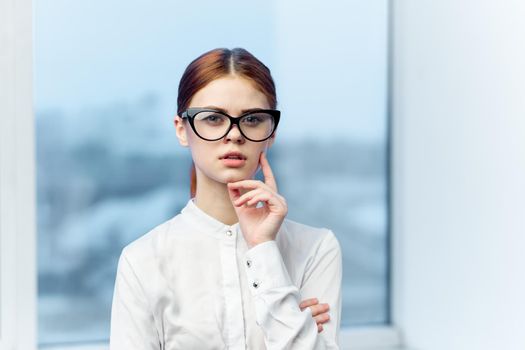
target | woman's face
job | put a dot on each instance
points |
(234, 94)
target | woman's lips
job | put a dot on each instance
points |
(234, 163)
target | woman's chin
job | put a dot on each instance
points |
(237, 176)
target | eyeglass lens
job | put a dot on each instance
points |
(212, 125)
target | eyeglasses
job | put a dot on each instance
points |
(212, 125)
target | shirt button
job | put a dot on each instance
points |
(256, 284)
(229, 232)
(248, 263)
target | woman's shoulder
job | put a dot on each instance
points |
(147, 244)
(297, 229)
(303, 238)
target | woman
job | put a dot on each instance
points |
(229, 271)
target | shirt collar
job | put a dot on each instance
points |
(206, 222)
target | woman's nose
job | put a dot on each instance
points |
(234, 134)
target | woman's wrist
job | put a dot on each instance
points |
(254, 243)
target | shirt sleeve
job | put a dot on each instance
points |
(132, 322)
(277, 299)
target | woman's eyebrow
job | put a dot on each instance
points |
(223, 110)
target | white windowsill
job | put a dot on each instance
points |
(358, 338)
(106, 347)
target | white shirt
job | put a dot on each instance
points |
(192, 283)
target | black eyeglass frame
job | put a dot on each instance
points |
(191, 112)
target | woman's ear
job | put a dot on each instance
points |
(180, 130)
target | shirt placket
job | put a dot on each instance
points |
(232, 291)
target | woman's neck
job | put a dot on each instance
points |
(214, 200)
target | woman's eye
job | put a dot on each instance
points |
(215, 119)
(252, 120)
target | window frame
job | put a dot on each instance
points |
(18, 269)
(18, 298)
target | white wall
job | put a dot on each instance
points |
(459, 173)
(18, 282)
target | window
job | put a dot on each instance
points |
(104, 93)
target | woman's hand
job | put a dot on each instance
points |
(261, 224)
(319, 311)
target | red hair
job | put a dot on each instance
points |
(218, 63)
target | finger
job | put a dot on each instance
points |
(261, 197)
(319, 309)
(269, 179)
(233, 192)
(253, 199)
(322, 318)
(275, 201)
(272, 202)
(319, 328)
(250, 184)
(308, 302)
(247, 196)
(252, 202)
